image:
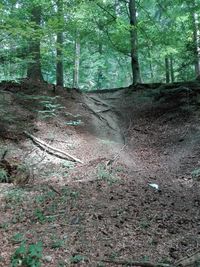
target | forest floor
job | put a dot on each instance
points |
(134, 197)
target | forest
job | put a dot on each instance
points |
(100, 44)
(99, 133)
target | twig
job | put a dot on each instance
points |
(111, 161)
(45, 145)
(136, 263)
(55, 190)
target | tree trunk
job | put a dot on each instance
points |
(134, 41)
(100, 71)
(167, 70)
(76, 61)
(171, 69)
(196, 32)
(34, 66)
(59, 48)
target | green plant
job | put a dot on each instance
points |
(77, 258)
(39, 215)
(106, 175)
(144, 224)
(27, 256)
(196, 174)
(15, 196)
(17, 238)
(57, 243)
(68, 164)
(3, 176)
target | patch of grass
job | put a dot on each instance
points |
(144, 224)
(56, 243)
(196, 174)
(39, 215)
(68, 164)
(27, 255)
(77, 259)
(17, 238)
(106, 175)
(3, 176)
(15, 196)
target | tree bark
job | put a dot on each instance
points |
(171, 69)
(59, 48)
(76, 61)
(134, 42)
(100, 71)
(34, 66)
(167, 69)
(196, 33)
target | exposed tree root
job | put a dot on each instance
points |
(50, 149)
(136, 263)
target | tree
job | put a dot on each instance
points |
(134, 42)
(34, 67)
(59, 45)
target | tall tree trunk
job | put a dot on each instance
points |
(150, 64)
(196, 32)
(100, 71)
(171, 69)
(34, 67)
(167, 69)
(77, 53)
(59, 47)
(134, 42)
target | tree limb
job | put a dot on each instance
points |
(48, 147)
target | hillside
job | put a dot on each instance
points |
(101, 178)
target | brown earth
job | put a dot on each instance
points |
(106, 207)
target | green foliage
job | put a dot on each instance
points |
(77, 258)
(165, 28)
(27, 255)
(17, 238)
(3, 176)
(39, 215)
(196, 174)
(106, 175)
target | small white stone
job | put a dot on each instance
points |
(47, 258)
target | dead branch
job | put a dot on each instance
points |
(51, 149)
(137, 263)
(54, 189)
(190, 260)
(111, 161)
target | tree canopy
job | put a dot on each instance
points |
(100, 43)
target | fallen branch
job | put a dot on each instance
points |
(136, 263)
(190, 260)
(51, 149)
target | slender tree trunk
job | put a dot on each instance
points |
(76, 61)
(150, 65)
(171, 69)
(34, 67)
(59, 48)
(196, 32)
(100, 71)
(134, 42)
(167, 69)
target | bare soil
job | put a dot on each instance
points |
(135, 197)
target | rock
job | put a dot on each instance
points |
(47, 258)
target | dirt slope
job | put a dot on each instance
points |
(105, 208)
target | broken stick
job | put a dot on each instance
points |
(48, 147)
